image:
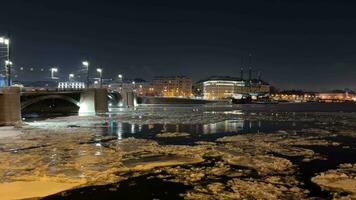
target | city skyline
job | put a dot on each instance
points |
(304, 45)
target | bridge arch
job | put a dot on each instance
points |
(45, 97)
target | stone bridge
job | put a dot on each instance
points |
(89, 101)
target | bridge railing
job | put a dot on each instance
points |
(41, 89)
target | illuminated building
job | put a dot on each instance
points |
(142, 88)
(172, 86)
(139, 86)
(294, 96)
(224, 87)
(300, 96)
(220, 87)
(72, 85)
(336, 97)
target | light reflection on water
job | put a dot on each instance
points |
(197, 131)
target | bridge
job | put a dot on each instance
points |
(14, 101)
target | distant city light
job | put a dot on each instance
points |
(8, 62)
(85, 63)
(70, 77)
(53, 70)
(100, 71)
(4, 41)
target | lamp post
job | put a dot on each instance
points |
(53, 70)
(100, 71)
(70, 77)
(8, 63)
(86, 64)
(120, 77)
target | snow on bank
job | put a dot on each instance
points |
(9, 131)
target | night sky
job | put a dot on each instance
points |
(306, 44)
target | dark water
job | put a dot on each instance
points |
(142, 187)
(198, 132)
(149, 187)
(336, 155)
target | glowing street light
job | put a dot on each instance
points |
(70, 77)
(8, 65)
(53, 70)
(100, 71)
(86, 64)
(8, 62)
(120, 77)
(6, 42)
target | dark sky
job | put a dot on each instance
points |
(307, 44)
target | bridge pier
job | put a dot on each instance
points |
(93, 101)
(128, 98)
(10, 105)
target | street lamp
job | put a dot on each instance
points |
(120, 77)
(70, 77)
(8, 62)
(6, 41)
(53, 70)
(100, 71)
(8, 65)
(86, 64)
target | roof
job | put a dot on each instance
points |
(220, 78)
(230, 78)
(170, 77)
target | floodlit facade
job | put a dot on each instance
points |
(225, 87)
(220, 89)
(172, 86)
(336, 97)
(294, 96)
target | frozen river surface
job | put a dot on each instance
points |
(254, 152)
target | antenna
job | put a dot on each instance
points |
(242, 69)
(250, 67)
(259, 76)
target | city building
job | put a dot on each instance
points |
(339, 96)
(172, 86)
(294, 96)
(72, 85)
(139, 86)
(225, 87)
(219, 87)
(142, 87)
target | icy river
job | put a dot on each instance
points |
(286, 151)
